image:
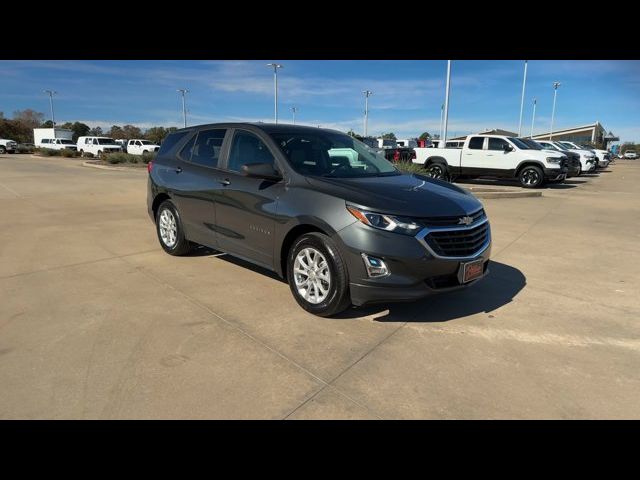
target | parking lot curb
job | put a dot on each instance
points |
(106, 167)
(494, 194)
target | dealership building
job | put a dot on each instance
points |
(594, 133)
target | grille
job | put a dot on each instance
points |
(449, 221)
(458, 243)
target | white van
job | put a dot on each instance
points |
(97, 145)
(56, 144)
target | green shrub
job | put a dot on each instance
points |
(68, 153)
(89, 155)
(148, 157)
(47, 152)
(115, 157)
(410, 167)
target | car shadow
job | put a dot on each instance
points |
(498, 288)
(202, 251)
(561, 186)
(480, 182)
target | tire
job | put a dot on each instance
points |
(81, 153)
(2, 149)
(173, 243)
(336, 299)
(438, 170)
(144, 152)
(531, 176)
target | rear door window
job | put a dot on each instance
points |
(207, 147)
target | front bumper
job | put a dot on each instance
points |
(415, 271)
(555, 174)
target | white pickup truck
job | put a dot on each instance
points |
(7, 145)
(495, 156)
(140, 147)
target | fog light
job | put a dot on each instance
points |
(375, 266)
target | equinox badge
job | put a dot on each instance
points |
(465, 221)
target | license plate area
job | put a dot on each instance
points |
(470, 271)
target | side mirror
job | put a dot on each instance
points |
(507, 148)
(261, 170)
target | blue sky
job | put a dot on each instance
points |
(406, 100)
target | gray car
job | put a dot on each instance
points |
(321, 209)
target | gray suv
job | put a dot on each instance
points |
(321, 209)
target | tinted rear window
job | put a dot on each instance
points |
(170, 141)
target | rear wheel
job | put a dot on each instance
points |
(317, 275)
(2, 149)
(438, 170)
(531, 177)
(169, 230)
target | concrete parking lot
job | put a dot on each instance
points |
(96, 321)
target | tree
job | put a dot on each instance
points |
(131, 132)
(424, 136)
(389, 136)
(47, 124)
(15, 130)
(157, 134)
(29, 118)
(79, 129)
(116, 132)
(95, 132)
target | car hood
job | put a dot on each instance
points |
(409, 195)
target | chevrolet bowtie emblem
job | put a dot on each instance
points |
(465, 221)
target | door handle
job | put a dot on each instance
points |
(225, 182)
(179, 169)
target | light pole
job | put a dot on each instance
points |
(367, 94)
(183, 91)
(553, 111)
(446, 104)
(294, 110)
(51, 93)
(524, 83)
(441, 114)
(275, 67)
(533, 118)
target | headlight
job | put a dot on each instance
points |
(390, 223)
(554, 159)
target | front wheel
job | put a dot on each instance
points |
(317, 275)
(531, 177)
(438, 170)
(2, 149)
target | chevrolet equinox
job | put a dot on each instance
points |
(321, 209)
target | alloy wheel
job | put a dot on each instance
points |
(312, 275)
(168, 228)
(530, 177)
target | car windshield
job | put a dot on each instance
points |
(531, 143)
(145, 142)
(332, 154)
(520, 144)
(567, 145)
(106, 141)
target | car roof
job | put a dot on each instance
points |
(266, 127)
